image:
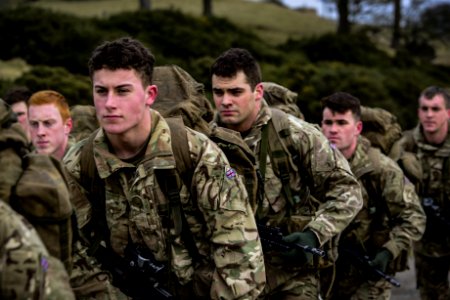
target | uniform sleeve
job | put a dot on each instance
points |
(236, 250)
(330, 180)
(404, 207)
(27, 271)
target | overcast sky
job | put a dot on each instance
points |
(297, 3)
(329, 10)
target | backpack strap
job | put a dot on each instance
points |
(180, 144)
(280, 161)
(376, 205)
(261, 172)
(169, 181)
(95, 187)
(282, 152)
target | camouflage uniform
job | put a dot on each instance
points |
(335, 199)
(432, 252)
(383, 181)
(27, 271)
(220, 218)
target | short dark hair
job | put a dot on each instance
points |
(342, 102)
(123, 53)
(432, 91)
(17, 94)
(230, 62)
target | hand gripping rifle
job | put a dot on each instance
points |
(272, 238)
(365, 261)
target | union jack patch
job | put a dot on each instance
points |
(230, 173)
(44, 263)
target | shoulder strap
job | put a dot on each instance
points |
(376, 204)
(95, 187)
(169, 181)
(281, 151)
(180, 146)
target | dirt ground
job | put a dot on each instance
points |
(407, 290)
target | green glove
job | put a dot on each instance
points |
(298, 255)
(381, 260)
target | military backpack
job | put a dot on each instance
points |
(280, 97)
(380, 127)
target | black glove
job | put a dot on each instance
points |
(382, 260)
(298, 255)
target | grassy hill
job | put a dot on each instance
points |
(57, 44)
(273, 23)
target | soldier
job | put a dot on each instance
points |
(391, 218)
(311, 195)
(17, 98)
(218, 255)
(50, 123)
(27, 271)
(429, 143)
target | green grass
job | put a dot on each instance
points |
(273, 23)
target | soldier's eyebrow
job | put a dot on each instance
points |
(234, 89)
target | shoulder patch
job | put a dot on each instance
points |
(230, 172)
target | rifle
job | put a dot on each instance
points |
(364, 260)
(137, 274)
(272, 238)
(433, 210)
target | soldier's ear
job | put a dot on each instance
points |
(151, 93)
(259, 91)
(68, 126)
(359, 126)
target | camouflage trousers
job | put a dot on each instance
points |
(432, 277)
(349, 282)
(288, 285)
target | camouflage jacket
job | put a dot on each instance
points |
(435, 185)
(27, 271)
(335, 195)
(215, 205)
(392, 216)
